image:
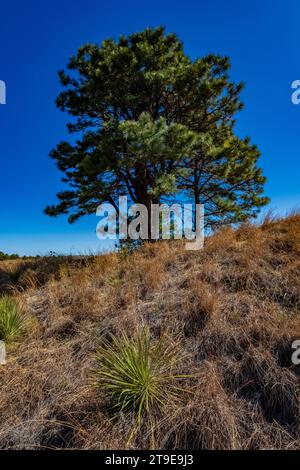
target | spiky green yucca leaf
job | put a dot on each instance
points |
(139, 375)
(12, 320)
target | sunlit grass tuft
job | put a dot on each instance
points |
(139, 375)
(12, 320)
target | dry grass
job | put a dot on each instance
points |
(234, 307)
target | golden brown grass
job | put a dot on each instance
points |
(233, 306)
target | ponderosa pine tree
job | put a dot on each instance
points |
(154, 124)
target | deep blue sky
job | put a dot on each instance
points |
(36, 40)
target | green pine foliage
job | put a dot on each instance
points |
(154, 124)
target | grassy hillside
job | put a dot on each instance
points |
(226, 317)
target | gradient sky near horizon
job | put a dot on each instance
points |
(36, 40)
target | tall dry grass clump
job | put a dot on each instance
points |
(232, 310)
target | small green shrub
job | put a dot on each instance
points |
(138, 374)
(12, 320)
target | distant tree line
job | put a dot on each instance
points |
(5, 256)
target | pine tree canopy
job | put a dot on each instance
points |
(155, 125)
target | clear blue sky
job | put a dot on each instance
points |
(261, 37)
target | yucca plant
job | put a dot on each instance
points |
(138, 374)
(12, 320)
